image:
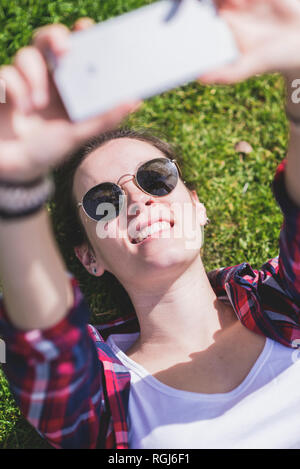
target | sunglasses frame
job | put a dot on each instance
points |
(80, 204)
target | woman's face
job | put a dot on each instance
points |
(118, 245)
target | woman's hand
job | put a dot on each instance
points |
(268, 35)
(35, 131)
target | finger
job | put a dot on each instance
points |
(17, 92)
(244, 68)
(105, 122)
(232, 4)
(54, 38)
(83, 23)
(136, 106)
(31, 65)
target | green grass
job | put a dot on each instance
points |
(206, 122)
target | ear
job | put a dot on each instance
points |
(201, 210)
(88, 259)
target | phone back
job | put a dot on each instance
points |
(140, 54)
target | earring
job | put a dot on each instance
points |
(94, 270)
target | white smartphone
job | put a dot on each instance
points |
(141, 54)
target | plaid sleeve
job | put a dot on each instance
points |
(267, 301)
(289, 242)
(56, 377)
(277, 284)
(279, 279)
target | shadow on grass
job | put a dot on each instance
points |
(23, 436)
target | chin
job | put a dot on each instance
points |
(170, 254)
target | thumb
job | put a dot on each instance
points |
(243, 68)
(104, 122)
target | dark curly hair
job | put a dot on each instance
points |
(70, 232)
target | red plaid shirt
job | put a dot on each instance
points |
(72, 388)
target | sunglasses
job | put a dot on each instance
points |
(157, 177)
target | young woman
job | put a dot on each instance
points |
(183, 372)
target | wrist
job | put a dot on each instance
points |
(18, 200)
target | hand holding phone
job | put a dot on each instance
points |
(35, 132)
(140, 54)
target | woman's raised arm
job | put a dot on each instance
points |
(268, 35)
(35, 136)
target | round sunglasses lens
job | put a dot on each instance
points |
(104, 201)
(158, 177)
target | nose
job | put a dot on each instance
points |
(136, 198)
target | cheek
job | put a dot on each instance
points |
(110, 252)
(106, 241)
(187, 220)
(113, 230)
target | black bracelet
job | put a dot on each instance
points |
(22, 199)
(295, 120)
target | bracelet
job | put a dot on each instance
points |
(22, 199)
(295, 120)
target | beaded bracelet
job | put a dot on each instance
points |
(22, 199)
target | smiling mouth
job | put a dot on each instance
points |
(150, 230)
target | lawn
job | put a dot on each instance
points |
(207, 123)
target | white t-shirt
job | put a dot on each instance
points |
(262, 412)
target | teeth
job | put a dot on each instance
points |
(150, 230)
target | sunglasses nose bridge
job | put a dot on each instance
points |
(136, 197)
(129, 177)
(124, 185)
